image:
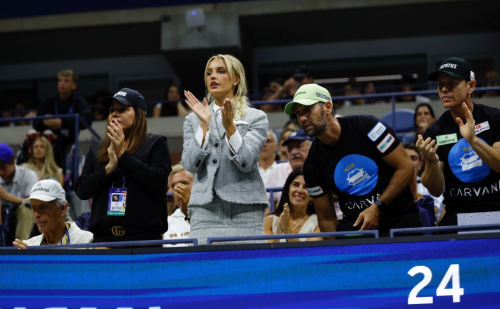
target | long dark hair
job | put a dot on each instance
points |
(137, 136)
(416, 110)
(285, 195)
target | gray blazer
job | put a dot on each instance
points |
(234, 178)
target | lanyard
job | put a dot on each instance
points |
(65, 240)
(56, 108)
(123, 180)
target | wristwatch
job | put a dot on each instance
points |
(382, 207)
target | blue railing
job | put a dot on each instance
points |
(77, 118)
(117, 244)
(288, 236)
(211, 240)
(461, 228)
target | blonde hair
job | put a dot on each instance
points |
(50, 169)
(235, 69)
(137, 136)
(66, 73)
(176, 169)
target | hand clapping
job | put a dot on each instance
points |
(201, 110)
(115, 134)
(427, 148)
(468, 129)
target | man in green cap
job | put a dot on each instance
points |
(360, 159)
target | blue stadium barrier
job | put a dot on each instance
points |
(287, 236)
(117, 244)
(419, 230)
(271, 196)
(462, 271)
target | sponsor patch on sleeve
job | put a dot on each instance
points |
(315, 191)
(386, 143)
(377, 131)
(483, 126)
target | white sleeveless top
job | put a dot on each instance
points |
(308, 227)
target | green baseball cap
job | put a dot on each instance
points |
(308, 95)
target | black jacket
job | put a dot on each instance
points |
(75, 104)
(146, 173)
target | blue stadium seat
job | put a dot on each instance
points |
(404, 121)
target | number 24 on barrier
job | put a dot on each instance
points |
(452, 274)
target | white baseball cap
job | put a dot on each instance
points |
(46, 190)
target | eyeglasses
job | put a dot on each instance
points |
(450, 84)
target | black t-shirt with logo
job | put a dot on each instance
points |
(470, 185)
(353, 168)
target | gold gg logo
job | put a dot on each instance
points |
(117, 231)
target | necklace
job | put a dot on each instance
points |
(297, 223)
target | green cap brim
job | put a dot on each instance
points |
(289, 110)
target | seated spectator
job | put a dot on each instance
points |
(406, 98)
(282, 152)
(288, 128)
(417, 161)
(298, 144)
(267, 159)
(300, 77)
(270, 91)
(180, 182)
(352, 88)
(15, 184)
(64, 102)
(369, 89)
(295, 213)
(174, 106)
(303, 76)
(411, 98)
(42, 162)
(422, 119)
(49, 205)
(21, 113)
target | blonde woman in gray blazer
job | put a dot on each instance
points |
(223, 138)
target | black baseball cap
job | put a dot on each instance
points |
(301, 72)
(298, 135)
(126, 96)
(455, 67)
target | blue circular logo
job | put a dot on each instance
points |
(356, 175)
(466, 164)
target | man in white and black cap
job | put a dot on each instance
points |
(462, 148)
(49, 205)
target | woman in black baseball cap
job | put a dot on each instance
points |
(130, 162)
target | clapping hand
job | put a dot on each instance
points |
(113, 160)
(181, 196)
(468, 129)
(285, 219)
(427, 148)
(200, 109)
(115, 133)
(227, 117)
